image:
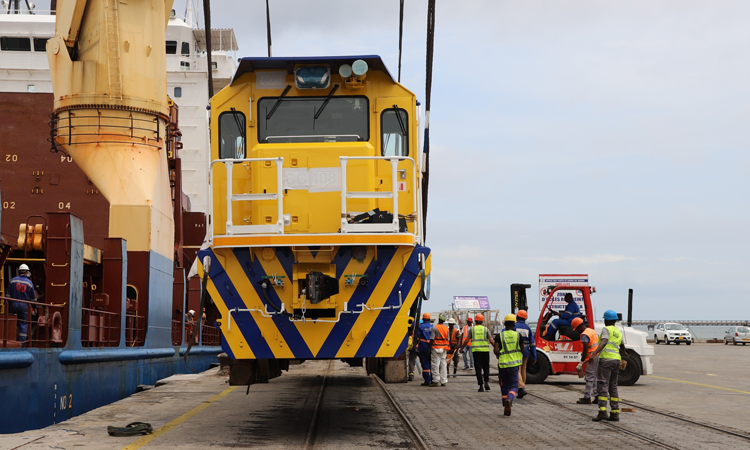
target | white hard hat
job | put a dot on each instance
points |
(451, 321)
(191, 311)
(23, 267)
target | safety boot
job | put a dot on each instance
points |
(486, 386)
(481, 388)
(506, 403)
(411, 377)
(434, 384)
(584, 401)
(614, 417)
(521, 393)
(601, 416)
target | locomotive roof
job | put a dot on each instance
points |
(251, 64)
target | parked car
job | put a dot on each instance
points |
(737, 335)
(670, 332)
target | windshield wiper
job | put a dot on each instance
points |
(325, 102)
(235, 114)
(278, 102)
(400, 121)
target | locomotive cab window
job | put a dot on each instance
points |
(394, 124)
(313, 119)
(232, 135)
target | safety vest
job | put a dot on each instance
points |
(441, 341)
(593, 341)
(511, 354)
(612, 350)
(454, 338)
(464, 331)
(479, 338)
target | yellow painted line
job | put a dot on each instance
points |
(306, 239)
(166, 428)
(700, 384)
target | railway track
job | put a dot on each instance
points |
(312, 433)
(623, 428)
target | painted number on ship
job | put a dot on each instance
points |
(9, 205)
(66, 402)
(63, 205)
(64, 158)
(11, 158)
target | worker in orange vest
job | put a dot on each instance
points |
(455, 335)
(590, 341)
(468, 356)
(440, 345)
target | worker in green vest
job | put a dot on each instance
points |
(480, 339)
(509, 357)
(612, 356)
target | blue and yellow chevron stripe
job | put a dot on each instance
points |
(235, 281)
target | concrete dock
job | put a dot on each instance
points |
(696, 399)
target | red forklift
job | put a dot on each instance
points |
(562, 355)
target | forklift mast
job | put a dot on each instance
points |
(518, 297)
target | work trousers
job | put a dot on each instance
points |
(609, 370)
(468, 358)
(454, 359)
(508, 382)
(522, 372)
(424, 361)
(553, 326)
(592, 366)
(439, 365)
(412, 353)
(22, 322)
(482, 367)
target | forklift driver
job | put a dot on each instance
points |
(570, 312)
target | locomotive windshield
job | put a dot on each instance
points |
(343, 119)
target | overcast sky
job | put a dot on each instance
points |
(601, 137)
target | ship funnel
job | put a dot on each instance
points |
(108, 64)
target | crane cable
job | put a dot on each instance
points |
(207, 18)
(400, 37)
(428, 92)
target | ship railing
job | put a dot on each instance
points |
(44, 324)
(135, 330)
(398, 177)
(211, 335)
(176, 332)
(100, 328)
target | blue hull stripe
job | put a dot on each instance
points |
(340, 331)
(288, 329)
(230, 296)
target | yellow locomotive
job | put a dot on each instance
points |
(316, 242)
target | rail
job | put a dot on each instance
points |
(100, 328)
(43, 325)
(706, 323)
(211, 335)
(135, 330)
(176, 332)
(398, 178)
(77, 126)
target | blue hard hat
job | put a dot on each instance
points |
(610, 315)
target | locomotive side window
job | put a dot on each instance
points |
(232, 135)
(394, 124)
(313, 119)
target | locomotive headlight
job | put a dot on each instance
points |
(345, 70)
(359, 67)
(312, 77)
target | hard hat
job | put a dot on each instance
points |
(479, 318)
(469, 320)
(191, 312)
(23, 267)
(426, 316)
(451, 321)
(522, 314)
(510, 318)
(441, 317)
(610, 315)
(575, 322)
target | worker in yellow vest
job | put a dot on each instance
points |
(590, 341)
(480, 339)
(611, 352)
(509, 357)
